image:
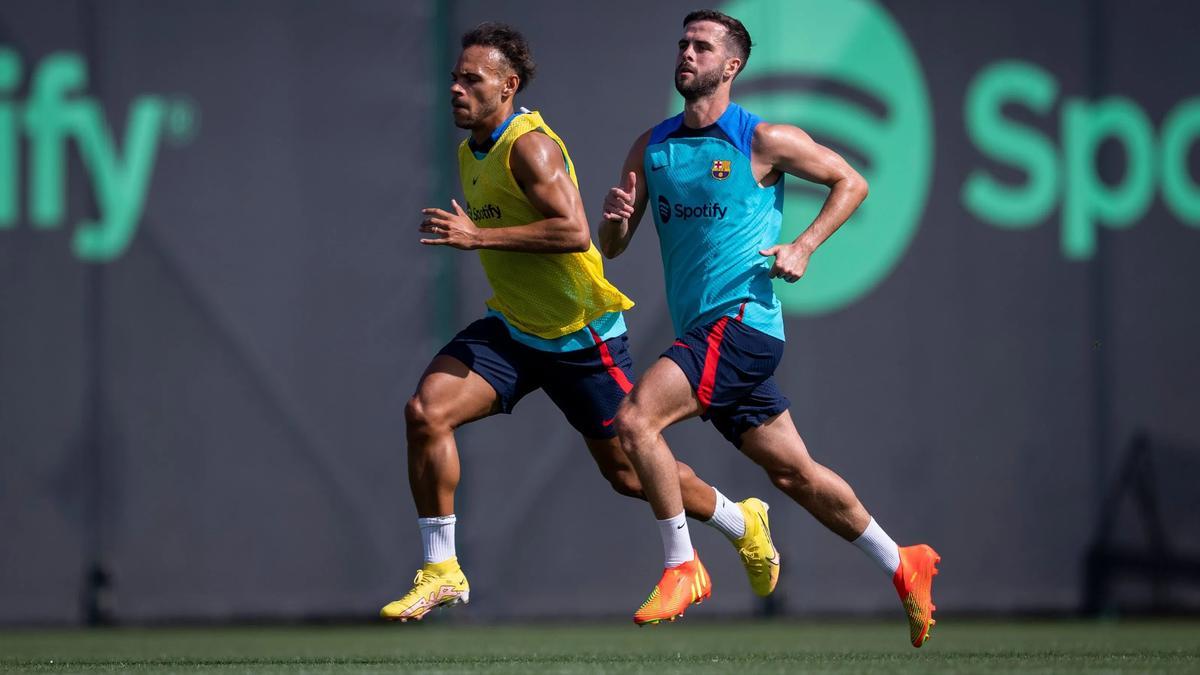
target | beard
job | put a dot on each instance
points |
(482, 111)
(702, 84)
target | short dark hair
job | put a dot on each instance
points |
(509, 42)
(738, 35)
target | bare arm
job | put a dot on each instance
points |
(785, 148)
(625, 205)
(540, 169)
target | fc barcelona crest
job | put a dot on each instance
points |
(720, 169)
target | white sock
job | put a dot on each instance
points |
(437, 537)
(879, 547)
(677, 543)
(727, 518)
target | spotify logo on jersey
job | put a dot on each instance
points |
(664, 210)
(843, 71)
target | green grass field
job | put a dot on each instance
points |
(687, 647)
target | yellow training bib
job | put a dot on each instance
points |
(544, 294)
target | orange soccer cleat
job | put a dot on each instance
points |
(679, 587)
(914, 583)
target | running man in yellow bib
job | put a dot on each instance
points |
(554, 322)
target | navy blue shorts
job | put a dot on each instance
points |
(587, 384)
(731, 368)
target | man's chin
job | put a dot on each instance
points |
(694, 91)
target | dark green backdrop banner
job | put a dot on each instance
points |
(213, 306)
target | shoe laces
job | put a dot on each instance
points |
(753, 557)
(423, 578)
(423, 575)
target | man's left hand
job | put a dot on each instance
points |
(456, 229)
(790, 261)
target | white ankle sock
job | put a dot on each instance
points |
(879, 547)
(727, 518)
(437, 537)
(677, 543)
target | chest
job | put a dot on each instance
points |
(492, 195)
(698, 169)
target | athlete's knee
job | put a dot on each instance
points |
(632, 425)
(422, 419)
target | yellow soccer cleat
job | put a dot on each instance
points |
(914, 584)
(679, 587)
(436, 585)
(759, 556)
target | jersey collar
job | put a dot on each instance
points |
(481, 150)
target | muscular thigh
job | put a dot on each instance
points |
(483, 355)
(452, 392)
(663, 395)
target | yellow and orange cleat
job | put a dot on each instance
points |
(436, 585)
(914, 583)
(679, 587)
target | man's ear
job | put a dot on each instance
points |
(733, 67)
(511, 84)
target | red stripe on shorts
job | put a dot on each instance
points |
(705, 391)
(607, 359)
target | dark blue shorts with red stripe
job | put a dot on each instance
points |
(587, 384)
(731, 368)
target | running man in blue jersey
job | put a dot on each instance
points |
(712, 177)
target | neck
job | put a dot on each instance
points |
(707, 110)
(482, 132)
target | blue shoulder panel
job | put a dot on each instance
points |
(735, 125)
(665, 128)
(739, 126)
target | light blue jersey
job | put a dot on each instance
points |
(713, 218)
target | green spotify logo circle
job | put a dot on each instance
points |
(843, 71)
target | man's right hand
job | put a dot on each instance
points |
(618, 204)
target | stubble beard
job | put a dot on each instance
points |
(484, 111)
(702, 85)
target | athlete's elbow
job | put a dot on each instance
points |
(579, 245)
(579, 240)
